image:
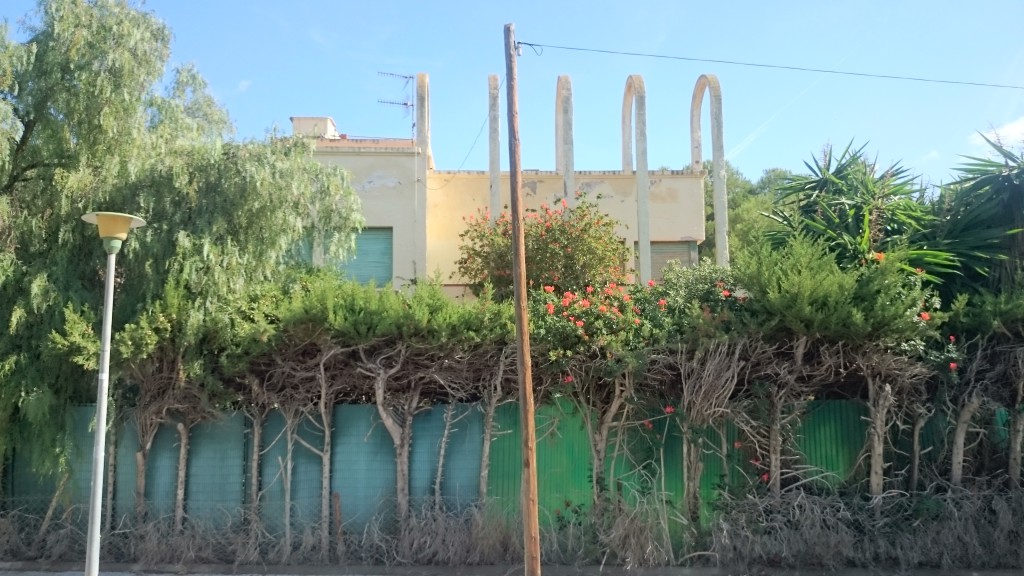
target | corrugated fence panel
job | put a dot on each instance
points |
(460, 478)
(214, 489)
(363, 463)
(831, 436)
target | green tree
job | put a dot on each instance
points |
(90, 128)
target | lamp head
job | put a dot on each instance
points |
(113, 227)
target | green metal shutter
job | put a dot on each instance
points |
(373, 257)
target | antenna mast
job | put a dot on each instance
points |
(409, 104)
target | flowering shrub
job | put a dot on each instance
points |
(567, 248)
(605, 322)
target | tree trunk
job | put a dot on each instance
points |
(108, 504)
(963, 422)
(692, 468)
(45, 525)
(915, 453)
(254, 465)
(442, 450)
(402, 477)
(179, 492)
(723, 453)
(880, 400)
(1016, 439)
(140, 486)
(775, 449)
(490, 408)
(327, 417)
(291, 423)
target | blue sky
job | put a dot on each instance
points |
(267, 60)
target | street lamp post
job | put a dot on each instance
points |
(113, 228)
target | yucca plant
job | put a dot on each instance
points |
(861, 213)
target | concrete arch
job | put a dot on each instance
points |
(709, 83)
(564, 155)
(495, 146)
(636, 96)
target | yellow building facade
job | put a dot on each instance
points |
(415, 213)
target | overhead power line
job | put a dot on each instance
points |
(539, 49)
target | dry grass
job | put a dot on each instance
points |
(940, 530)
(952, 530)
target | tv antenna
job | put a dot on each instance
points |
(408, 104)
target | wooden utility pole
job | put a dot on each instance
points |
(531, 525)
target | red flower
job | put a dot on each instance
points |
(626, 298)
(952, 366)
(636, 321)
(551, 308)
(590, 289)
(926, 316)
(879, 256)
(564, 203)
(602, 308)
(726, 293)
(648, 425)
(568, 378)
(669, 409)
(737, 444)
(756, 461)
(662, 302)
(549, 289)
(566, 301)
(585, 303)
(952, 339)
(579, 323)
(651, 283)
(765, 477)
(612, 285)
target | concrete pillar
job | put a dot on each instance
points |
(495, 145)
(636, 94)
(424, 163)
(564, 156)
(423, 118)
(709, 83)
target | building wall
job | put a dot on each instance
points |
(385, 178)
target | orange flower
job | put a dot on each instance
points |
(926, 316)
(651, 282)
(879, 256)
(669, 409)
(551, 308)
(585, 303)
(636, 321)
(726, 293)
(662, 302)
(549, 289)
(568, 378)
(579, 323)
(590, 289)
(602, 308)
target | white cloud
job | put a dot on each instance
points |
(1010, 134)
(244, 85)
